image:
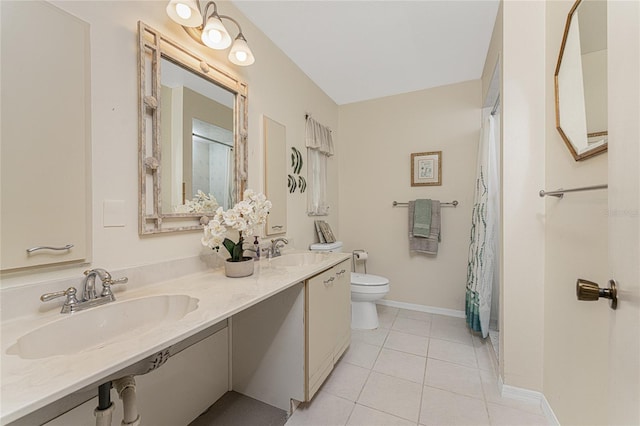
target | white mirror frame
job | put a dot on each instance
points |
(153, 44)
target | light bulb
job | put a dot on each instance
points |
(240, 53)
(183, 11)
(215, 36)
(241, 56)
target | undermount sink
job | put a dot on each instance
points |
(95, 327)
(298, 259)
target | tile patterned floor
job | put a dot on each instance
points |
(416, 369)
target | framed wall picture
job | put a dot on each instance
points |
(426, 168)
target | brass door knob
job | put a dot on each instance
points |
(590, 291)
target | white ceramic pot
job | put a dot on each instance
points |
(244, 268)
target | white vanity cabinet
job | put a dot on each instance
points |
(274, 336)
(327, 322)
(46, 136)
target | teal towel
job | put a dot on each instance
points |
(422, 219)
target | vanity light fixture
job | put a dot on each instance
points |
(209, 30)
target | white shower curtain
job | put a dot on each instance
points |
(484, 231)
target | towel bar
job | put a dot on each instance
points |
(560, 192)
(454, 203)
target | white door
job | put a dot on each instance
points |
(624, 210)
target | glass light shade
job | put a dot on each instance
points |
(215, 35)
(240, 53)
(185, 12)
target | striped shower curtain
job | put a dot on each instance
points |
(484, 228)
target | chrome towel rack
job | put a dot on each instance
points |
(560, 192)
(454, 203)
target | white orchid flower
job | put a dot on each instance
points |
(244, 217)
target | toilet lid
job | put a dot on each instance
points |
(368, 279)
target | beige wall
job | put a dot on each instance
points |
(376, 141)
(523, 159)
(576, 247)
(277, 88)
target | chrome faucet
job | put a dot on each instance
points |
(89, 282)
(275, 247)
(89, 297)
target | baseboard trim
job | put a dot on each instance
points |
(422, 308)
(530, 396)
(521, 394)
(548, 412)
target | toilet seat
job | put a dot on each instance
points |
(367, 280)
(368, 284)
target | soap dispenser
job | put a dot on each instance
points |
(256, 245)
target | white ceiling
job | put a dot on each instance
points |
(360, 50)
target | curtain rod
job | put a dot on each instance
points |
(496, 105)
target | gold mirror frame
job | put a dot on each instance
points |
(576, 155)
(152, 46)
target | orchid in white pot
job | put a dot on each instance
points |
(244, 217)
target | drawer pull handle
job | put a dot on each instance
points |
(32, 249)
(327, 282)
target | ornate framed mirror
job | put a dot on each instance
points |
(581, 80)
(192, 147)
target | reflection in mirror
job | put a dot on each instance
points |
(193, 135)
(212, 163)
(197, 142)
(581, 80)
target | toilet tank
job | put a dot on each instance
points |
(327, 247)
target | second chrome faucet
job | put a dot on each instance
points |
(275, 247)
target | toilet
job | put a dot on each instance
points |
(366, 289)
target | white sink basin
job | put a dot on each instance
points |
(97, 326)
(298, 259)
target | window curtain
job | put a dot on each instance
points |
(319, 147)
(484, 228)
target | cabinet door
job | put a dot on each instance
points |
(342, 308)
(45, 106)
(320, 327)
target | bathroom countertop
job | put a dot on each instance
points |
(30, 384)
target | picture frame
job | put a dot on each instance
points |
(426, 168)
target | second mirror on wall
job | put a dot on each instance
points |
(581, 80)
(275, 148)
